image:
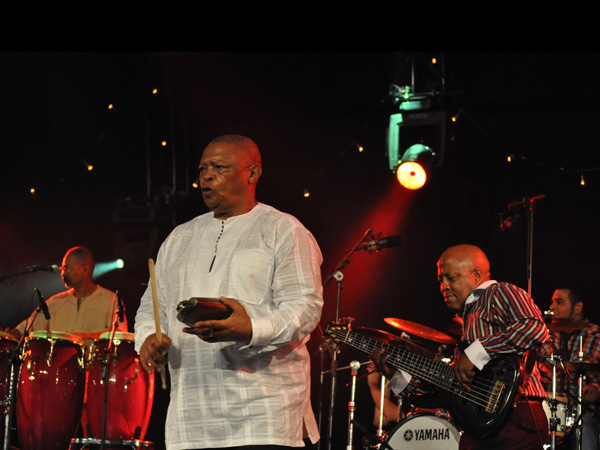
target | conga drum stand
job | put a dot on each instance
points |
(9, 402)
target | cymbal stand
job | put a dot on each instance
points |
(354, 366)
(338, 276)
(553, 424)
(381, 406)
(579, 423)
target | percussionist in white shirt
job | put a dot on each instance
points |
(244, 381)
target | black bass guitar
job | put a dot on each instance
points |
(480, 411)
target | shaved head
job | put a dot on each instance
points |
(468, 256)
(460, 270)
(246, 146)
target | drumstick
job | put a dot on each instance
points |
(156, 316)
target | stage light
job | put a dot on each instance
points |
(414, 129)
(411, 171)
(105, 267)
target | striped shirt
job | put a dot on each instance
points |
(499, 319)
(229, 394)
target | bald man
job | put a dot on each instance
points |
(85, 309)
(244, 381)
(498, 319)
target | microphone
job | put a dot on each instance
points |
(378, 244)
(120, 308)
(51, 268)
(525, 200)
(43, 305)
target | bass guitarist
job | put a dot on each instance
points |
(498, 319)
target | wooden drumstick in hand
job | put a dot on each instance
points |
(156, 316)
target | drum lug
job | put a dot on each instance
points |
(51, 353)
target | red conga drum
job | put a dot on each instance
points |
(50, 390)
(130, 390)
(8, 344)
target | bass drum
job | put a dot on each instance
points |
(566, 415)
(423, 432)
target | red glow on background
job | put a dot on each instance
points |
(366, 273)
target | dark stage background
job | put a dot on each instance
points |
(309, 112)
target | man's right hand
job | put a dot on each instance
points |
(152, 352)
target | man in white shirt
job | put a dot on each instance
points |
(241, 382)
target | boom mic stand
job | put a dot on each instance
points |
(339, 276)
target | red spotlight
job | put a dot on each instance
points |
(411, 172)
(411, 175)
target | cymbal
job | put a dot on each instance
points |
(559, 324)
(391, 339)
(420, 330)
(583, 367)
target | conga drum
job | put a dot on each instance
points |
(50, 390)
(130, 390)
(8, 345)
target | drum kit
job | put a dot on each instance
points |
(564, 412)
(433, 429)
(58, 389)
(421, 429)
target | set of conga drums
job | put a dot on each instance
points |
(104, 398)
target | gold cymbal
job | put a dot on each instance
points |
(420, 330)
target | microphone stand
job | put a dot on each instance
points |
(354, 366)
(9, 402)
(528, 205)
(338, 276)
(530, 208)
(106, 369)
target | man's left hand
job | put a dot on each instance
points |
(237, 327)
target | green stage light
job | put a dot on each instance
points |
(105, 267)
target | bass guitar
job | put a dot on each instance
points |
(480, 411)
